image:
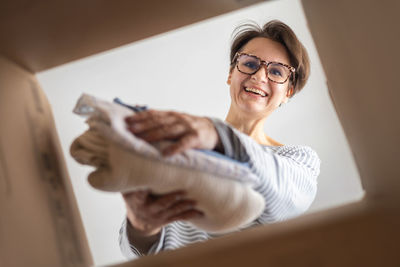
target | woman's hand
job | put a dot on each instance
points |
(188, 131)
(148, 213)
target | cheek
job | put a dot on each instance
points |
(238, 79)
(278, 95)
(279, 89)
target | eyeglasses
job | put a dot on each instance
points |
(276, 72)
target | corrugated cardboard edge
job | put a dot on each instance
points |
(40, 224)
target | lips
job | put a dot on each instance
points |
(255, 90)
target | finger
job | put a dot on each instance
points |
(140, 116)
(177, 193)
(165, 132)
(176, 209)
(138, 197)
(133, 194)
(151, 123)
(164, 202)
(186, 215)
(186, 142)
(145, 115)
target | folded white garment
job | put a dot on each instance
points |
(223, 188)
(90, 149)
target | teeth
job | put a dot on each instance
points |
(254, 90)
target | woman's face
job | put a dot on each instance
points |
(255, 104)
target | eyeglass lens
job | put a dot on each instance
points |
(275, 71)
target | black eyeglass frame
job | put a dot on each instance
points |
(262, 62)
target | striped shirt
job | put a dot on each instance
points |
(287, 180)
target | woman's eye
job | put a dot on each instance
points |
(275, 72)
(251, 64)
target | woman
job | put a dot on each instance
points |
(268, 66)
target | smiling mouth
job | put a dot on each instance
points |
(255, 91)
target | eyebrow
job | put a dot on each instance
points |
(250, 54)
(284, 64)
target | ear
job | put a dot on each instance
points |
(229, 78)
(289, 93)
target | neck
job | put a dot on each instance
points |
(249, 124)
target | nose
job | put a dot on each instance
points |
(260, 75)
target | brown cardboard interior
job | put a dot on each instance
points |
(39, 35)
(40, 224)
(356, 43)
(358, 46)
(351, 235)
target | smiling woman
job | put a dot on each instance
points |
(268, 66)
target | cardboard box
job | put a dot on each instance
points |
(43, 34)
(40, 225)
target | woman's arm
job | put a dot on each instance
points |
(287, 174)
(147, 214)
